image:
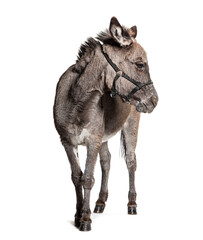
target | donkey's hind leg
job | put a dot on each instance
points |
(105, 157)
(72, 154)
(129, 138)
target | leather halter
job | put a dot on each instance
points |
(120, 73)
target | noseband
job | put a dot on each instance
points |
(120, 73)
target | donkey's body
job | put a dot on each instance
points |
(85, 114)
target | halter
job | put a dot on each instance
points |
(120, 73)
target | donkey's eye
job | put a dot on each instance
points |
(140, 65)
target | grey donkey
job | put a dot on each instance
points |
(91, 106)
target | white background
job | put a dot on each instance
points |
(39, 40)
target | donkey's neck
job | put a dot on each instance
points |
(84, 95)
(92, 72)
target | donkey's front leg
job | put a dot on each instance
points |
(88, 182)
(105, 157)
(129, 137)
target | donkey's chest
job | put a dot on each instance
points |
(116, 113)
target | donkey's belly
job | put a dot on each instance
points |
(106, 137)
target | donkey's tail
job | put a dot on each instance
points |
(123, 145)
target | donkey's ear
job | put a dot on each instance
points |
(133, 31)
(118, 33)
(115, 29)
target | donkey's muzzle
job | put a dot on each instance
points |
(147, 106)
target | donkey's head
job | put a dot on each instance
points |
(129, 64)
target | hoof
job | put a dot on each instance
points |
(77, 222)
(132, 210)
(99, 208)
(85, 226)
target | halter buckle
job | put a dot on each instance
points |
(119, 73)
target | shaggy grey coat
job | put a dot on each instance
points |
(85, 114)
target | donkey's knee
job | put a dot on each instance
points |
(105, 164)
(87, 182)
(131, 161)
(77, 179)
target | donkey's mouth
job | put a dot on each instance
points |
(147, 106)
(144, 108)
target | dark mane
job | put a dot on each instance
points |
(104, 37)
(87, 47)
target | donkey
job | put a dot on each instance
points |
(91, 106)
